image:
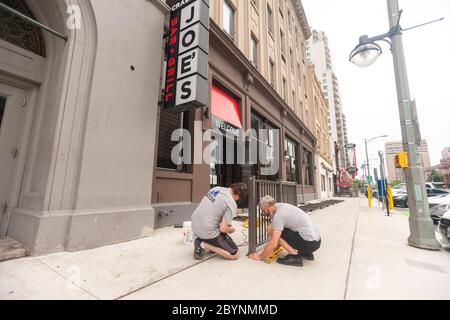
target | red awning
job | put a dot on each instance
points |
(225, 107)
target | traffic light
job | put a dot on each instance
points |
(401, 160)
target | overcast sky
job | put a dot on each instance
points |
(368, 95)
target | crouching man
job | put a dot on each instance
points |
(290, 228)
(211, 221)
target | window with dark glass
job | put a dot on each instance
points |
(20, 32)
(307, 168)
(168, 123)
(228, 18)
(291, 155)
(254, 50)
(265, 139)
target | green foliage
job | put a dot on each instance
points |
(435, 176)
(396, 183)
(358, 184)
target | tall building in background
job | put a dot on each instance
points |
(393, 148)
(444, 168)
(318, 53)
(323, 159)
(446, 153)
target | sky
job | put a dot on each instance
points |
(369, 98)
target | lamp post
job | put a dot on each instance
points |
(420, 224)
(367, 154)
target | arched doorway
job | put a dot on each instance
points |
(39, 75)
(18, 38)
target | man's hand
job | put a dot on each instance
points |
(231, 229)
(255, 256)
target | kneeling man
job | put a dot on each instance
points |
(290, 228)
(211, 221)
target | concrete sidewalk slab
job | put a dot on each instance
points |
(29, 279)
(324, 278)
(161, 266)
(385, 267)
(105, 273)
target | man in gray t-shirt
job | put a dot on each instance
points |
(292, 229)
(212, 219)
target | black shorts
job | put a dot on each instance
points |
(296, 241)
(224, 242)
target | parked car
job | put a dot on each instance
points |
(438, 207)
(397, 191)
(401, 199)
(444, 229)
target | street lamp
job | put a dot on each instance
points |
(366, 53)
(367, 154)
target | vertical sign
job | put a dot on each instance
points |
(187, 56)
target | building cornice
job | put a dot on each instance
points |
(161, 5)
(301, 15)
(230, 50)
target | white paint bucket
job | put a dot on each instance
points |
(188, 234)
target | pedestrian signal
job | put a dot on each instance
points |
(401, 160)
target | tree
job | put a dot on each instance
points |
(396, 183)
(358, 184)
(435, 176)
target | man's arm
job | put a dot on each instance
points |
(270, 247)
(225, 227)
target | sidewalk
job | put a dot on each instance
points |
(364, 255)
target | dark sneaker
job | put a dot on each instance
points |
(199, 252)
(309, 257)
(291, 260)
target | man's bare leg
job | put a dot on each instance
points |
(223, 253)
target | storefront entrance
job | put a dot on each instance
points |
(223, 173)
(12, 111)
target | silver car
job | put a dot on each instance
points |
(438, 206)
(444, 229)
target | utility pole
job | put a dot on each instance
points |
(383, 180)
(421, 226)
(368, 166)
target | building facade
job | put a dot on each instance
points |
(324, 160)
(443, 168)
(87, 148)
(393, 148)
(318, 53)
(446, 153)
(78, 121)
(257, 80)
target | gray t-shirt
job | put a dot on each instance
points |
(295, 219)
(215, 206)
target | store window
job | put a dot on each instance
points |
(168, 124)
(266, 140)
(291, 156)
(307, 168)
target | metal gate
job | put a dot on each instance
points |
(281, 191)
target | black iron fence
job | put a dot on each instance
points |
(281, 191)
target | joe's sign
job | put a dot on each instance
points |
(187, 56)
